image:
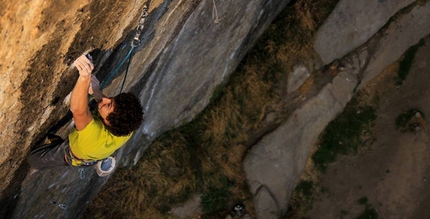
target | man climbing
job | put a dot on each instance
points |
(95, 137)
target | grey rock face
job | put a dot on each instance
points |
(184, 55)
(279, 158)
(202, 54)
(351, 24)
(189, 208)
(267, 205)
(398, 38)
(297, 77)
(61, 192)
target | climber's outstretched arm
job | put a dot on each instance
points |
(79, 99)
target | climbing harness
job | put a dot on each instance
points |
(135, 42)
(69, 156)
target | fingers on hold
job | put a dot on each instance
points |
(82, 63)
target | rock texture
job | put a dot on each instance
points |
(185, 53)
(278, 159)
(189, 208)
(178, 77)
(396, 169)
(406, 32)
(351, 24)
(297, 77)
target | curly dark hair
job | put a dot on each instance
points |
(127, 115)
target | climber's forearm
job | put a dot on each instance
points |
(79, 98)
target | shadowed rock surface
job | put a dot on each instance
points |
(278, 159)
(183, 56)
(185, 53)
(351, 24)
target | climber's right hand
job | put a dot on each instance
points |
(84, 66)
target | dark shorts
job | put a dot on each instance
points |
(49, 155)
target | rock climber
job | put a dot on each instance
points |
(95, 136)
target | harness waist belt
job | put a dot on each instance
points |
(81, 162)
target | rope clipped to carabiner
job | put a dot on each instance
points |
(128, 57)
(135, 42)
(140, 26)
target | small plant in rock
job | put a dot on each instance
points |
(346, 133)
(189, 158)
(343, 213)
(306, 188)
(407, 61)
(369, 212)
(215, 200)
(302, 199)
(363, 201)
(410, 121)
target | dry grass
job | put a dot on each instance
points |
(306, 86)
(208, 152)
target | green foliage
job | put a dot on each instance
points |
(305, 187)
(215, 200)
(302, 199)
(343, 213)
(369, 212)
(407, 61)
(274, 72)
(226, 182)
(217, 94)
(407, 121)
(344, 134)
(204, 152)
(164, 208)
(363, 200)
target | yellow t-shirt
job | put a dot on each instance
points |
(94, 142)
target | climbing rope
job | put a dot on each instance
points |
(215, 13)
(127, 57)
(65, 206)
(75, 191)
(135, 42)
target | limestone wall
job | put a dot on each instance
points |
(186, 51)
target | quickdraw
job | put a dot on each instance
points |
(140, 26)
(135, 42)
